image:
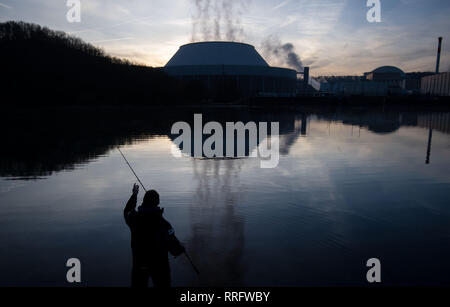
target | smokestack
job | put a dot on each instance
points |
(439, 55)
(306, 77)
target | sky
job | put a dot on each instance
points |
(333, 37)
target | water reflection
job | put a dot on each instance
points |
(217, 235)
(55, 142)
(351, 185)
(430, 137)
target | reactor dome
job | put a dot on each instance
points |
(389, 70)
(392, 78)
(230, 67)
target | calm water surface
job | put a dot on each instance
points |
(349, 187)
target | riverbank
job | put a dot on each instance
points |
(307, 104)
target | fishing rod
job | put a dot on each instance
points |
(142, 185)
(192, 263)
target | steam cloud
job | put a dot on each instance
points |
(221, 20)
(218, 20)
(281, 54)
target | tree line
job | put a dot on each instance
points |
(43, 66)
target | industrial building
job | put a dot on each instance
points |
(385, 80)
(354, 88)
(390, 80)
(439, 83)
(392, 77)
(436, 85)
(231, 70)
(413, 82)
(230, 67)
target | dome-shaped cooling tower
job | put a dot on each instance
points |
(228, 67)
(217, 53)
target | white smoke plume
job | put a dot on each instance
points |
(218, 20)
(281, 54)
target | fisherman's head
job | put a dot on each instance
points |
(151, 199)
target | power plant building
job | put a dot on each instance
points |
(223, 67)
(436, 85)
(393, 77)
(354, 88)
(382, 81)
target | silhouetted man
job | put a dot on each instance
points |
(152, 237)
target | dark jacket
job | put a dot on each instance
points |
(152, 237)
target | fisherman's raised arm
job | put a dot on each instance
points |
(130, 208)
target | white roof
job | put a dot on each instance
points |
(217, 53)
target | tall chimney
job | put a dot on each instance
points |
(306, 78)
(439, 55)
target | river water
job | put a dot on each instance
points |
(349, 186)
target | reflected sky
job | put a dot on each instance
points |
(342, 194)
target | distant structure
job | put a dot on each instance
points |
(390, 80)
(392, 77)
(438, 60)
(413, 82)
(353, 87)
(438, 84)
(385, 80)
(230, 68)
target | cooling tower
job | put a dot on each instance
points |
(230, 66)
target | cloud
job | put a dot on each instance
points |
(131, 21)
(280, 5)
(5, 6)
(112, 40)
(106, 10)
(332, 36)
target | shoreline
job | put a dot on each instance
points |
(395, 103)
